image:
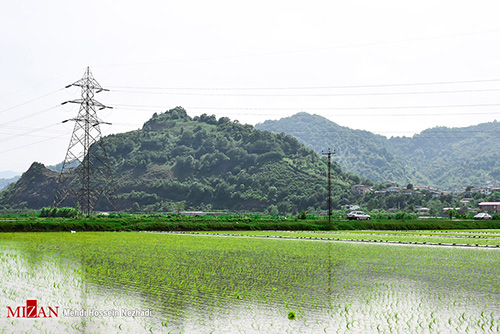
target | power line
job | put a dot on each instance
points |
(355, 108)
(32, 100)
(29, 133)
(485, 105)
(314, 87)
(24, 128)
(338, 115)
(37, 84)
(317, 94)
(36, 113)
(38, 142)
(163, 108)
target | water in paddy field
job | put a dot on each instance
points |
(200, 284)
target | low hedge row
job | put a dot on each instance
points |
(207, 224)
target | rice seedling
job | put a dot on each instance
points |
(200, 283)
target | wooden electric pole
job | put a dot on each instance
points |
(329, 153)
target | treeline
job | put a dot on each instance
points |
(184, 223)
(65, 212)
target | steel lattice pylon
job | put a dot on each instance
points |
(86, 175)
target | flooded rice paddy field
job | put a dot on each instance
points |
(200, 284)
(471, 238)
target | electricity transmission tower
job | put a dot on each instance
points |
(86, 175)
(329, 153)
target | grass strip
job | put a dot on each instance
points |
(177, 223)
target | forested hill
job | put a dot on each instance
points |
(453, 157)
(217, 164)
(448, 158)
(360, 152)
(34, 189)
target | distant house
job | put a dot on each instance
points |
(409, 192)
(352, 207)
(492, 207)
(465, 200)
(393, 190)
(193, 213)
(360, 189)
(485, 191)
(436, 193)
(423, 211)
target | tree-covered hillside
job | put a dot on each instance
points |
(455, 157)
(447, 158)
(217, 164)
(34, 189)
(357, 151)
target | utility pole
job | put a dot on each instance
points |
(329, 153)
(86, 175)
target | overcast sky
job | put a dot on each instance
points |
(391, 67)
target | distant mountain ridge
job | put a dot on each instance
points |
(8, 174)
(447, 158)
(4, 182)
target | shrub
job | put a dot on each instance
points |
(302, 215)
(59, 212)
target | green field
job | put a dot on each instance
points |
(230, 284)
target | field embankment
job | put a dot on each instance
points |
(184, 223)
